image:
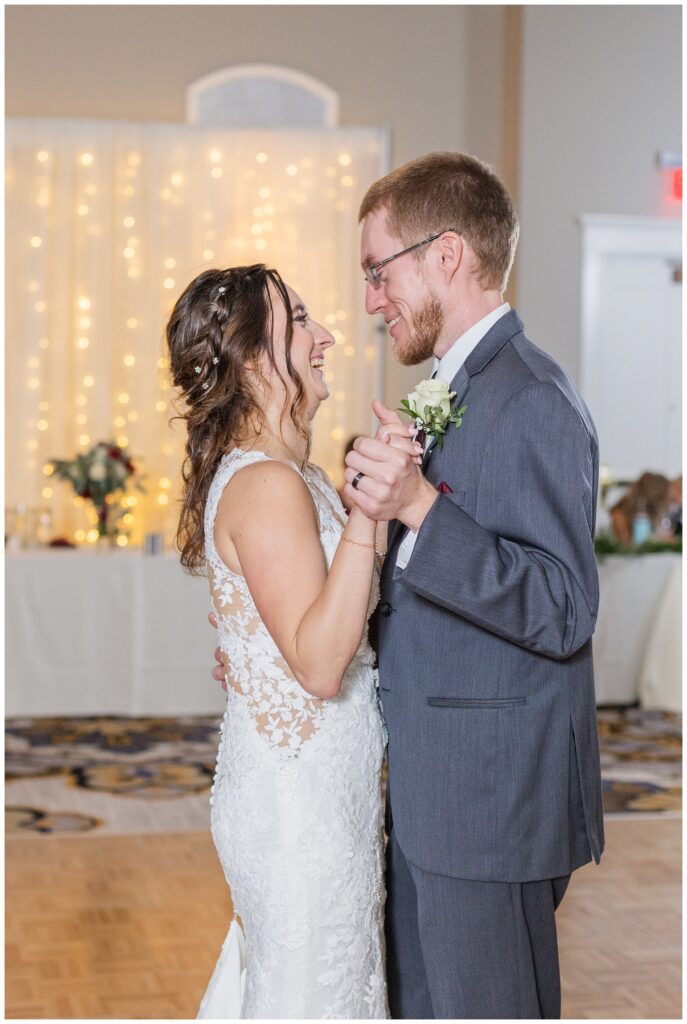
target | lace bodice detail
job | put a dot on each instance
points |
(282, 712)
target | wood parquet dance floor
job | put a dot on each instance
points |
(131, 926)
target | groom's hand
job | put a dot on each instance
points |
(392, 485)
(219, 671)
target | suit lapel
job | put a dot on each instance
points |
(461, 385)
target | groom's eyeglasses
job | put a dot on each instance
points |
(372, 275)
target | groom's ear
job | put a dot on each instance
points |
(452, 252)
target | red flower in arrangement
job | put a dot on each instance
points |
(115, 453)
(443, 488)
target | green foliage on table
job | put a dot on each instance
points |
(605, 544)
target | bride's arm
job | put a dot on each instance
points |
(315, 618)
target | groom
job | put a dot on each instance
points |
(488, 605)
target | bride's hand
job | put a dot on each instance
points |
(395, 432)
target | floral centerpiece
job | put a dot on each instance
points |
(98, 474)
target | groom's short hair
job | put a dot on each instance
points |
(451, 190)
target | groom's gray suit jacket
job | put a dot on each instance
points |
(484, 640)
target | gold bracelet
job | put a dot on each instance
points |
(357, 543)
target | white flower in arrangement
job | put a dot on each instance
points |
(97, 472)
(430, 406)
(431, 393)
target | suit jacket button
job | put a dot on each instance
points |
(385, 608)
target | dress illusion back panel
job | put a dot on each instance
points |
(296, 811)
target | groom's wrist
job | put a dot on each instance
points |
(414, 516)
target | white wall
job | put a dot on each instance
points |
(601, 94)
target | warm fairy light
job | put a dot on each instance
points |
(268, 208)
(260, 243)
(168, 282)
(34, 363)
(129, 222)
(216, 172)
(344, 159)
(170, 263)
(132, 241)
(160, 406)
(162, 363)
(132, 322)
(261, 158)
(127, 518)
(48, 470)
(86, 159)
(43, 197)
(207, 216)
(78, 501)
(330, 318)
(119, 421)
(132, 416)
(129, 252)
(36, 241)
(122, 441)
(89, 381)
(208, 254)
(47, 492)
(336, 434)
(331, 172)
(82, 209)
(91, 190)
(43, 406)
(163, 499)
(123, 398)
(34, 383)
(129, 360)
(81, 419)
(42, 156)
(84, 303)
(166, 193)
(215, 156)
(40, 307)
(165, 484)
(265, 193)
(44, 343)
(134, 159)
(347, 181)
(132, 501)
(81, 400)
(128, 191)
(32, 445)
(42, 424)
(177, 178)
(132, 272)
(122, 541)
(292, 169)
(79, 535)
(349, 350)
(83, 343)
(84, 440)
(32, 286)
(84, 322)
(256, 229)
(92, 536)
(370, 353)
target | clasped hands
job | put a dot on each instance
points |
(392, 485)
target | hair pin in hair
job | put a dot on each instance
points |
(205, 386)
(197, 369)
(215, 360)
(221, 290)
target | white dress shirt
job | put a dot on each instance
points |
(445, 369)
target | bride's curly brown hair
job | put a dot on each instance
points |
(219, 328)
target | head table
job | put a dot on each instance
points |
(126, 633)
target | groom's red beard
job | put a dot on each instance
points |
(428, 324)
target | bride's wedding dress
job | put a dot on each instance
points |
(296, 811)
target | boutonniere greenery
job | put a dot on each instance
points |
(430, 406)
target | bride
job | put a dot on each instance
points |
(296, 803)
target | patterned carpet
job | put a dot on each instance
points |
(115, 775)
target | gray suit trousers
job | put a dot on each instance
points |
(462, 949)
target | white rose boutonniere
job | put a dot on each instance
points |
(430, 406)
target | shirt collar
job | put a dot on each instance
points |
(450, 363)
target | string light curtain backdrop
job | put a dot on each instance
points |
(107, 223)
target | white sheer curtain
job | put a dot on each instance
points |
(106, 224)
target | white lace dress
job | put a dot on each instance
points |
(296, 812)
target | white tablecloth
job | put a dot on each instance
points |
(637, 643)
(123, 633)
(107, 633)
